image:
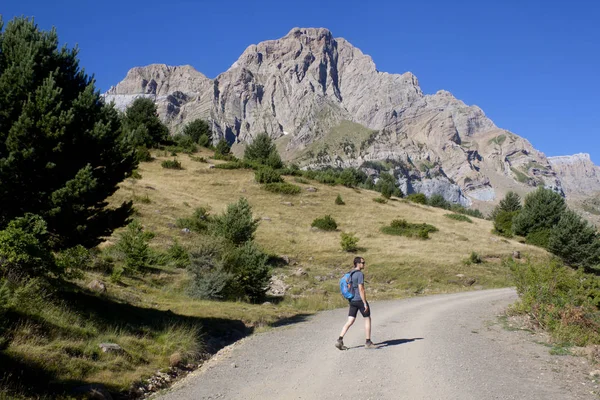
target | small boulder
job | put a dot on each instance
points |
(97, 286)
(287, 203)
(176, 360)
(286, 259)
(110, 348)
(311, 189)
(516, 254)
(185, 230)
(300, 272)
(211, 166)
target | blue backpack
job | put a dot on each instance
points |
(346, 285)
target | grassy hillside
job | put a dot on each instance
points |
(152, 317)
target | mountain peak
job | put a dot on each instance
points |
(316, 33)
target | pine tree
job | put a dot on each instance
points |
(575, 241)
(262, 150)
(510, 203)
(142, 125)
(61, 155)
(541, 212)
(199, 131)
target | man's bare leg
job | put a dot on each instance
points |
(347, 326)
(368, 328)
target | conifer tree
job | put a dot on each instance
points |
(575, 241)
(142, 125)
(541, 212)
(262, 150)
(61, 155)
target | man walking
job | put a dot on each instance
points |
(357, 303)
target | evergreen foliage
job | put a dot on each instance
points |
(418, 198)
(236, 224)
(576, 242)
(199, 132)
(510, 203)
(503, 222)
(142, 126)
(222, 149)
(437, 200)
(283, 188)
(171, 164)
(133, 244)
(262, 150)
(251, 274)
(339, 201)
(267, 175)
(198, 222)
(60, 153)
(542, 211)
(325, 223)
(401, 227)
(23, 247)
(349, 242)
(387, 186)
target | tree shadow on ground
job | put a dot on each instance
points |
(294, 319)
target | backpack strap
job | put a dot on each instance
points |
(351, 273)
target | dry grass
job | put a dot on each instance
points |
(151, 315)
(287, 230)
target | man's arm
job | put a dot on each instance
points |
(363, 296)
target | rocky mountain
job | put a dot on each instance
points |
(325, 103)
(577, 173)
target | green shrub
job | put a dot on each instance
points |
(475, 258)
(380, 200)
(236, 224)
(171, 164)
(349, 242)
(459, 217)
(503, 222)
(251, 274)
(301, 180)
(339, 201)
(437, 200)
(231, 165)
(133, 244)
(283, 188)
(184, 144)
(222, 148)
(210, 284)
(539, 237)
(199, 159)
(24, 249)
(325, 223)
(401, 227)
(199, 132)
(267, 175)
(142, 154)
(418, 198)
(72, 262)
(178, 256)
(560, 300)
(198, 222)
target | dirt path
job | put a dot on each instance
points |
(436, 347)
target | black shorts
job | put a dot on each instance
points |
(356, 306)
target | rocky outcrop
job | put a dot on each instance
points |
(577, 173)
(325, 103)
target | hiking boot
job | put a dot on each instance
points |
(369, 345)
(340, 345)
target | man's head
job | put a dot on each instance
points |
(359, 262)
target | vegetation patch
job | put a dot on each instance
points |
(401, 227)
(325, 223)
(380, 200)
(171, 164)
(498, 140)
(459, 217)
(520, 176)
(283, 188)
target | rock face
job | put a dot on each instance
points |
(326, 104)
(578, 174)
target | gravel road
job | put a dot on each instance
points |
(435, 347)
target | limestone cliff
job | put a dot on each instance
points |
(325, 103)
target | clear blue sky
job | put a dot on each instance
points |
(532, 66)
